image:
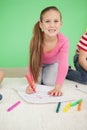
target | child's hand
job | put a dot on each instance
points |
(56, 91)
(29, 90)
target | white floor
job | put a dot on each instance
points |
(40, 116)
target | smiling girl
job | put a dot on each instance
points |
(48, 52)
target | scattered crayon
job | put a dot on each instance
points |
(1, 97)
(79, 106)
(75, 103)
(58, 107)
(67, 107)
(13, 106)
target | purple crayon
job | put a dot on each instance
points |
(13, 106)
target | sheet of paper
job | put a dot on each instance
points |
(41, 95)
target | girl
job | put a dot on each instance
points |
(48, 52)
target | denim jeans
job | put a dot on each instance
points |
(79, 74)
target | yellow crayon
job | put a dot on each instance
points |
(67, 107)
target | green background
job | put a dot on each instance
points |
(17, 18)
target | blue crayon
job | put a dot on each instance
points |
(58, 107)
(0, 97)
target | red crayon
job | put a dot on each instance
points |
(30, 82)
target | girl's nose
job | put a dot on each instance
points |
(52, 24)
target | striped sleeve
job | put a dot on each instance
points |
(83, 42)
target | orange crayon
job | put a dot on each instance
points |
(79, 106)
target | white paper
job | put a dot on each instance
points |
(41, 95)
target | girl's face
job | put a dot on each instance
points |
(51, 23)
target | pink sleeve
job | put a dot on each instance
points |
(63, 63)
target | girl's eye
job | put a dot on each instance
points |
(47, 21)
(56, 21)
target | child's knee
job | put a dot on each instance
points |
(49, 82)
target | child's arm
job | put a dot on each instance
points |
(30, 88)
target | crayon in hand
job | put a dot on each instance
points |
(30, 83)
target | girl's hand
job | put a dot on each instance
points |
(56, 91)
(29, 90)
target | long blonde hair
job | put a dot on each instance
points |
(36, 45)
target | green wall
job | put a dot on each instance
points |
(17, 18)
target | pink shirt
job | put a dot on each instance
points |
(58, 54)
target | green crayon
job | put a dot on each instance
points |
(75, 103)
(58, 107)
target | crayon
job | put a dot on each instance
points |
(75, 103)
(1, 97)
(76, 86)
(13, 106)
(30, 83)
(58, 107)
(79, 106)
(67, 107)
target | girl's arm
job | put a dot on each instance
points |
(62, 70)
(29, 89)
(63, 63)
